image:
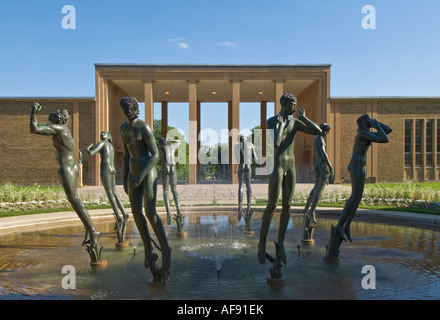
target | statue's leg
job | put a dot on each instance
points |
(312, 193)
(248, 178)
(135, 195)
(173, 186)
(322, 179)
(240, 194)
(118, 201)
(274, 193)
(288, 190)
(165, 186)
(150, 191)
(358, 184)
(107, 184)
(123, 214)
(357, 177)
(69, 179)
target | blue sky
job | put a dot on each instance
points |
(398, 58)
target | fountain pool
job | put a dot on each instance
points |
(217, 260)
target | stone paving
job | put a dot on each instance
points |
(217, 193)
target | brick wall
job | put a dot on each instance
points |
(30, 158)
(388, 160)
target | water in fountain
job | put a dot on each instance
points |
(135, 239)
(215, 239)
(406, 259)
(188, 206)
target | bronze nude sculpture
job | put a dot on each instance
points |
(246, 155)
(108, 179)
(363, 140)
(283, 177)
(322, 170)
(68, 172)
(169, 179)
(140, 183)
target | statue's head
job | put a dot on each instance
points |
(130, 106)
(364, 122)
(325, 128)
(288, 102)
(106, 135)
(59, 117)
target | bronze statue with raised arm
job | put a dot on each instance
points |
(140, 183)
(246, 154)
(68, 172)
(108, 179)
(169, 179)
(322, 170)
(283, 177)
(363, 140)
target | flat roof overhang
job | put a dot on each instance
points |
(214, 82)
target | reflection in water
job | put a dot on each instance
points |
(406, 260)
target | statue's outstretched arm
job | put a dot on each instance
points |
(35, 127)
(94, 150)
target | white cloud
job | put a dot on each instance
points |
(226, 44)
(183, 45)
(175, 39)
(179, 42)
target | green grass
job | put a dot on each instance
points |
(422, 185)
(378, 196)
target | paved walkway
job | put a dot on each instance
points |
(205, 194)
(218, 193)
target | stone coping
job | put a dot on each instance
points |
(35, 222)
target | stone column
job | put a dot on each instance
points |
(234, 130)
(164, 129)
(263, 119)
(148, 95)
(193, 134)
(279, 91)
(101, 120)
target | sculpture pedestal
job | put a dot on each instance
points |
(309, 242)
(182, 234)
(275, 283)
(249, 233)
(156, 284)
(100, 264)
(331, 260)
(121, 245)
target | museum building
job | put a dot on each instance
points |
(413, 150)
